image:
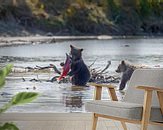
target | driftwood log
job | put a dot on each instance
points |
(98, 75)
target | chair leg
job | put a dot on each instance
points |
(146, 110)
(94, 123)
(144, 126)
(124, 125)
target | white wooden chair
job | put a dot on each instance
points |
(142, 104)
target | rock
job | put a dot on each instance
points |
(49, 34)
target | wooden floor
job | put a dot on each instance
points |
(65, 125)
(57, 121)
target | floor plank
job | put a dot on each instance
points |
(55, 121)
(63, 125)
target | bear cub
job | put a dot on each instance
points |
(126, 70)
(79, 71)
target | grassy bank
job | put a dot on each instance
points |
(76, 17)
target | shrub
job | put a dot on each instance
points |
(20, 98)
(86, 19)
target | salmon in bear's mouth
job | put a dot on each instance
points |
(66, 67)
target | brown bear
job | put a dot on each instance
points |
(79, 71)
(127, 71)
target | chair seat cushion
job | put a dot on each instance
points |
(120, 109)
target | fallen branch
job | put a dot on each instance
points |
(107, 66)
(98, 75)
(92, 63)
(55, 69)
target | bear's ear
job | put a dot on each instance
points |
(122, 62)
(81, 50)
(71, 46)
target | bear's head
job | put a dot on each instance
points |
(122, 67)
(75, 53)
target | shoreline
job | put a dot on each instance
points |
(10, 41)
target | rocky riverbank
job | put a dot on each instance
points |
(81, 18)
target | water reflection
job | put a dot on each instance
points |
(73, 101)
(73, 98)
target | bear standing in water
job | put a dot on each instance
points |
(79, 71)
(127, 71)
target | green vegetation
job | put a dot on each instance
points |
(82, 17)
(20, 98)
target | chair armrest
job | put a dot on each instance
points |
(147, 88)
(102, 85)
(98, 91)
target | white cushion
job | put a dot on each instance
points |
(122, 109)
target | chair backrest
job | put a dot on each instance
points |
(144, 77)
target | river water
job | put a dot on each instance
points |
(55, 97)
